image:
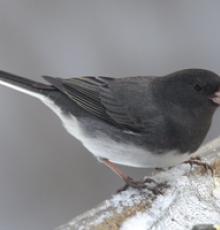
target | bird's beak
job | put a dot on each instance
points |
(216, 97)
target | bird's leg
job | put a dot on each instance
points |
(130, 182)
(198, 161)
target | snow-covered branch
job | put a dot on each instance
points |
(189, 196)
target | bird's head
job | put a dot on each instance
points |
(193, 88)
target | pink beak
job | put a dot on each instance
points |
(216, 98)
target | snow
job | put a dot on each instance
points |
(189, 200)
(143, 221)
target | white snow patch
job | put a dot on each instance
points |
(143, 221)
(124, 198)
(118, 203)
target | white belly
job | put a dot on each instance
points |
(131, 155)
(121, 153)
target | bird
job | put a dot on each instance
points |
(140, 121)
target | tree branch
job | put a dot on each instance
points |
(189, 196)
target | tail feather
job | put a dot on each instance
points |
(30, 87)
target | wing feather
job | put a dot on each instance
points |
(97, 95)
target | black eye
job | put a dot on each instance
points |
(197, 87)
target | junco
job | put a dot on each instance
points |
(140, 121)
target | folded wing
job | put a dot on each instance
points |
(102, 97)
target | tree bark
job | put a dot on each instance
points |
(188, 196)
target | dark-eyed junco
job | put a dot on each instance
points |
(135, 121)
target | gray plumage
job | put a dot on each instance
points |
(136, 121)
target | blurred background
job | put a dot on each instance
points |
(46, 176)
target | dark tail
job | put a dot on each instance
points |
(33, 88)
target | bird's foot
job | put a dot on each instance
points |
(198, 162)
(130, 182)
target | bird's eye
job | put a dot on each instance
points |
(197, 87)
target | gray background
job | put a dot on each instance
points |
(46, 176)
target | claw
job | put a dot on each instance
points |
(130, 182)
(197, 161)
